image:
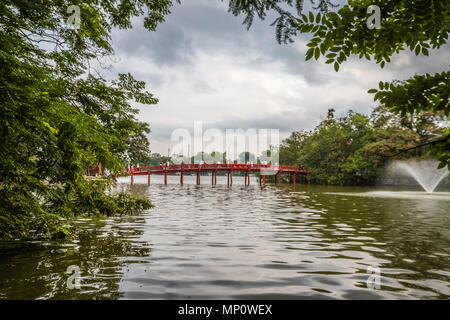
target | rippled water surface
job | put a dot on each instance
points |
(246, 242)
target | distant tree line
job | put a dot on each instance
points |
(352, 149)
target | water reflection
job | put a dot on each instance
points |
(246, 242)
(102, 252)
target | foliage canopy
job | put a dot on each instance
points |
(58, 116)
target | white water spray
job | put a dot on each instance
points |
(425, 172)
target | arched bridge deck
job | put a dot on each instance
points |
(263, 169)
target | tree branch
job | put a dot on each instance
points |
(420, 145)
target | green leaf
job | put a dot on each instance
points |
(377, 96)
(372, 91)
(417, 50)
(336, 66)
(304, 18)
(52, 130)
(317, 53)
(335, 49)
(323, 48)
(311, 17)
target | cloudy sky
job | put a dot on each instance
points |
(203, 65)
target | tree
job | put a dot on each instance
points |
(246, 156)
(351, 149)
(421, 99)
(390, 142)
(333, 150)
(428, 125)
(213, 157)
(157, 159)
(291, 148)
(58, 116)
(419, 25)
(138, 146)
(285, 22)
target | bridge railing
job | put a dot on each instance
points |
(215, 166)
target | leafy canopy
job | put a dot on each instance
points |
(59, 116)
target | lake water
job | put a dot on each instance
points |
(246, 242)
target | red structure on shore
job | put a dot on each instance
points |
(263, 169)
(95, 171)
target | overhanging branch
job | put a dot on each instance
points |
(421, 145)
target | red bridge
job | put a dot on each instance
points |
(263, 169)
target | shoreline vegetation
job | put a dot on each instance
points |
(59, 115)
(354, 149)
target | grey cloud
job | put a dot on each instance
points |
(437, 62)
(205, 28)
(283, 121)
(168, 46)
(193, 28)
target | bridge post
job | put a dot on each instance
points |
(215, 176)
(264, 179)
(148, 177)
(248, 177)
(294, 179)
(198, 175)
(279, 178)
(260, 178)
(165, 174)
(182, 174)
(231, 178)
(132, 175)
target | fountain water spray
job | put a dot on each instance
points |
(425, 172)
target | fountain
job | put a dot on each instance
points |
(425, 172)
